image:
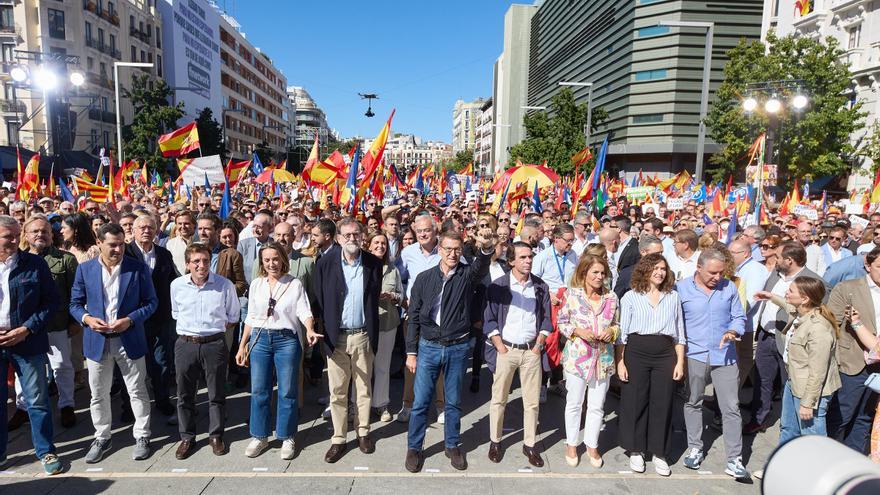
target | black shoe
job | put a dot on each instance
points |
(457, 458)
(68, 417)
(495, 453)
(414, 461)
(475, 385)
(17, 420)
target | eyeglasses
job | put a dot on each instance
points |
(271, 310)
(451, 250)
(835, 238)
(504, 220)
(768, 246)
(350, 235)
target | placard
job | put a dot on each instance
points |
(638, 193)
(854, 208)
(673, 204)
(651, 206)
(770, 174)
(857, 220)
(806, 211)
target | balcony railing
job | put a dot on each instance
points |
(104, 48)
(110, 16)
(12, 106)
(141, 35)
(99, 80)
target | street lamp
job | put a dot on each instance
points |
(704, 95)
(116, 66)
(589, 106)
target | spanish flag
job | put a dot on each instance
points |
(29, 181)
(235, 171)
(180, 142)
(373, 156)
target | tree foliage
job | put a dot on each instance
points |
(556, 138)
(871, 149)
(153, 117)
(814, 141)
(460, 160)
(210, 133)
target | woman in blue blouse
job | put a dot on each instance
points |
(650, 357)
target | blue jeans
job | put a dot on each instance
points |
(275, 352)
(432, 360)
(792, 426)
(31, 371)
(852, 411)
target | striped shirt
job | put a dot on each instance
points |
(638, 316)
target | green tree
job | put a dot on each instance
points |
(210, 134)
(811, 142)
(556, 138)
(153, 117)
(871, 149)
(460, 160)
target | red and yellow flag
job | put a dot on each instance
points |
(180, 142)
(373, 156)
(236, 170)
(29, 179)
(98, 193)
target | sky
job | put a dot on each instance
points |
(419, 56)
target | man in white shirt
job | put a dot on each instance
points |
(611, 240)
(684, 263)
(555, 264)
(582, 226)
(754, 276)
(517, 321)
(815, 262)
(184, 235)
(204, 305)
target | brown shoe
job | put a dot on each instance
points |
(68, 417)
(17, 420)
(457, 457)
(414, 461)
(185, 449)
(336, 451)
(366, 445)
(218, 446)
(534, 457)
(495, 453)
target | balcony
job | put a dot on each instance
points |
(12, 106)
(110, 16)
(104, 48)
(10, 31)
(141, 35)
(99, 80)
(853, 58)
(99, 115)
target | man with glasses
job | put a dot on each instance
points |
(814, 253)
(754, 234)
(391, 228)
(581, 232)
(833, 250)
(204, 204)
(350, 316)
(875, 241)
(684, 263)
(438, 332)
(90, 207)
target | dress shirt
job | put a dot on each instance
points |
(707, 317)
(353, 304)
(668, 247)
(770, 310)
(6, 268)
(206, 310)
(756, 253)
(754, 276)
(415, 261)
(437, 304)
(521, 324)
(815, 259)
(553, 268)
(291, 304)
(177, 246)
(110, 280)
(639, 316)
(875, 299)
(849, 268)
(301, 243)
(684, 268)
(579, 245)
(149, 257)
(495, 271)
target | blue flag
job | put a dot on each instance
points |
(225, 203)
(208, 190)
(351, 183)
(600, 163)
(66, 195)
(731, 229)
(536, 200)
(257, 165)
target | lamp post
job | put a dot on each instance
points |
(589, 106)
(116, 66)
(704, 94)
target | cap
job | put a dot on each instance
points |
(668, 230)
(44, 199)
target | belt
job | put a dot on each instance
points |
(353, 331)
(112, 335)
(202, 340)
(520, 347)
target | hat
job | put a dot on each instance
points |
(668, 230)
(45, 198)
(791, 223)
(605, 218)
(843, 222)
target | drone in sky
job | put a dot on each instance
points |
(369, 97)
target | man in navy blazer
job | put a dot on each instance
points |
(516, 322)
(112, 296)
(28, 298)
(159, 328)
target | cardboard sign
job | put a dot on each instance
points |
(806, 211)
(675, 204)
(638, 193)
(857, 220)
(854, 208)
(651, 206)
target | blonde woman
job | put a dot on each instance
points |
(588, 321)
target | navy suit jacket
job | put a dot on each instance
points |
(498, 299)
(137, 300)
(33, 299)
(163, 274)
(330, 294)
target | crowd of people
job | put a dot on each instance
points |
(152, 301)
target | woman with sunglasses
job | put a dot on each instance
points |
(770, 251)
(278, 324)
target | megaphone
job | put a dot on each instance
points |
(818, 465)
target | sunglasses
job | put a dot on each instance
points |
(835, 238)
(504, 220)
(767, 246)
(271, 311)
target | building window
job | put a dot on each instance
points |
(652, 31)
(8, 52)
(650, 75)
(110, 8)
(90, 63)
(7, 20)
(855, 37)
(100, 38)
(159, 65)
(56, 24)
(158, 38)
(94, 138)
(650, 118)
(88, 32)
(106, 139)
(134, 54)
(12, 131)
(113, 43)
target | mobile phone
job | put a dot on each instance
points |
(849, 306)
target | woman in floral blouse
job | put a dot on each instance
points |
(588, 320)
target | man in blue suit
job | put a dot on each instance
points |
(28, 298)
(112, 296)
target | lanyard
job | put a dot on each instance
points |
(559, 267)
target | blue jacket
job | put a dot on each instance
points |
(137, 300)
(498, 298)
(33, 299)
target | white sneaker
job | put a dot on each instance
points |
(288, 448)
(543, 399)
(636, 463)
(256, 447)
(403, 415)
(386, 417)
(661, 467)
(326, 413)
(441, 417)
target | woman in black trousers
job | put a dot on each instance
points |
(650, 359)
